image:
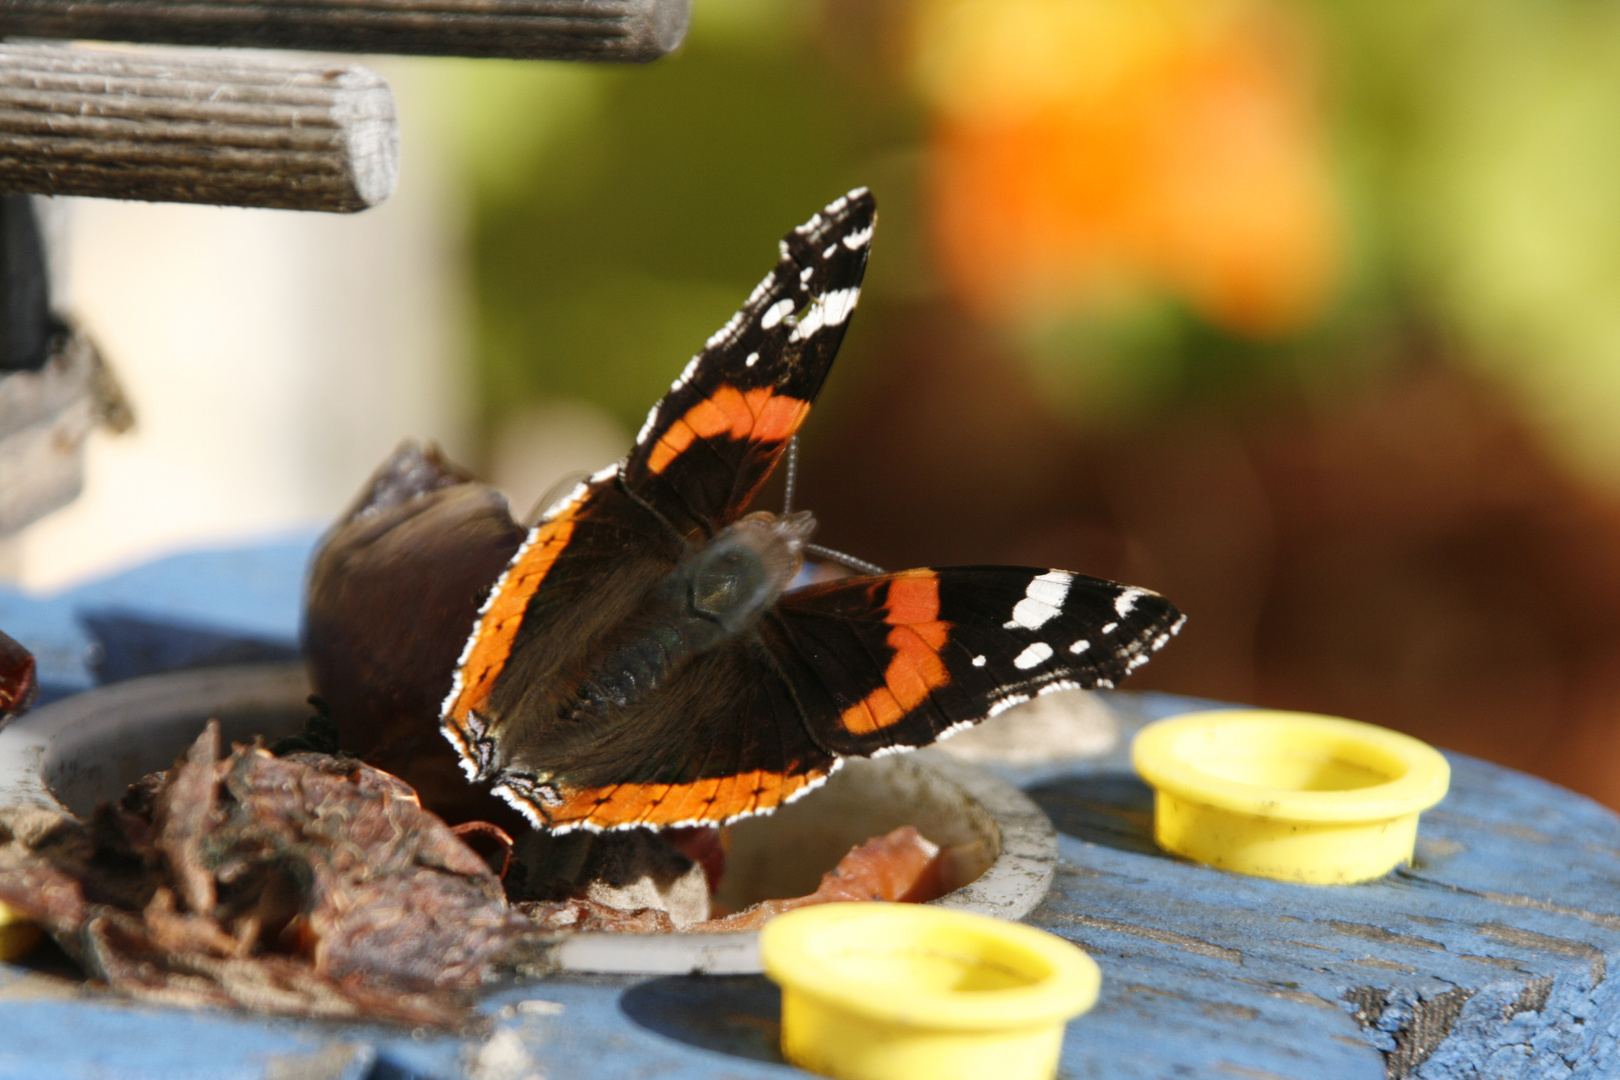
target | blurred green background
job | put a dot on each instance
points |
(1304, 313)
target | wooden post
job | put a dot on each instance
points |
(218, 129)
(634, 30)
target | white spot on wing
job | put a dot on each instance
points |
(1042, 601)
(753, 358)
(806, 274)
(857, 240)
(1037, 653)
(1125, 602)
(1080, 646)
(832, 249)
(828, 309)
(776, 313)
(978, 661)
(1109, 628)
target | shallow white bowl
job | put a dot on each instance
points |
(86, 749)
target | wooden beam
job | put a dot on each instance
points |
(221, 129)
(622, 30)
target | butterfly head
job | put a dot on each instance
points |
(740, 572)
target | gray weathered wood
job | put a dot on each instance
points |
(1490, 958)
(633, 30)
(221, 129)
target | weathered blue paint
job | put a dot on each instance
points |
(1488, 958)
(246, 593)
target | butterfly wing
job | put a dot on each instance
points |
(724, 740)
(703, 452)
(708, 446)
(899, 660)
(855, 667)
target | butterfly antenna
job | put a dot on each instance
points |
(792, 475)
(848, 561)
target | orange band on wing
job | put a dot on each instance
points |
(715, 799)
(915, 669)
(496, 630)
(759, 415)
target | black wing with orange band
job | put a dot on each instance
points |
(702, 454)
(954, 645)
(709, 445)
(851, 668)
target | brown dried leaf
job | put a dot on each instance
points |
(183, 811)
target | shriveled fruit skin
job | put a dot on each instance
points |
(393, 592)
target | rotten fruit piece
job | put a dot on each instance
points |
(393, 589)
(901, 866)
(19, 685)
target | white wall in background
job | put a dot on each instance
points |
(273, 358)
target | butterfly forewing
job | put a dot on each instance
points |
(898, 660)
(708, 446)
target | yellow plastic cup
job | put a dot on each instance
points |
(18, 936)
(1291, 796)
(874, 991)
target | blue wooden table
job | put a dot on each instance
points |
(1489, 957)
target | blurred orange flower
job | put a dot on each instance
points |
(1086, 152)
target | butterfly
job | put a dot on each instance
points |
(641, 661)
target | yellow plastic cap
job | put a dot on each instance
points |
(875, 991)
(1291, 796)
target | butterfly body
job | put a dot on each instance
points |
(642, 662)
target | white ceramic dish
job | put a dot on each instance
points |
(86, 749)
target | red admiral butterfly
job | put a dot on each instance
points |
(641, 661)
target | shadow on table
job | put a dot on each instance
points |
(736, 1015)
(1112, 809)
(130, 645)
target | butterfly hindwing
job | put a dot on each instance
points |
(582, 567)
(714, 438)
(725, 740)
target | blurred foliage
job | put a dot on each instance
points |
(1147, 200)
(622, 214)
(1480, 143)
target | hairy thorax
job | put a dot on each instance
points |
(716, 593)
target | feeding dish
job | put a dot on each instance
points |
(1292, 796)
(86, 749)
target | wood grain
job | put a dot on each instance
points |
(610, 30)
(220, 129)
(1490, 957)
